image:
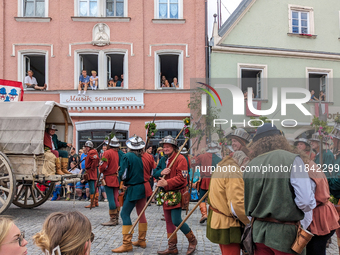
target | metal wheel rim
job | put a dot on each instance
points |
(29, 196)
(7, 183)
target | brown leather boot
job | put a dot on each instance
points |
(172, 249)
(64, 164)
(203, 208)
(92, 204)
(192, 242)
(142, 228)
(96, 197)
(58, 167)
(127, 244)
(112, 221)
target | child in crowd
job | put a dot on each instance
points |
(72, 170)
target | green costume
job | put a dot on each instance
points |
(270, 194)
(333, 177)
(58, 145)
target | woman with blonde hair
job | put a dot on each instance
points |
(12, 241)
(67, 233)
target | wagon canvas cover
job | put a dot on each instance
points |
(22, 125)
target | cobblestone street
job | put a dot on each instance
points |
(107, 238)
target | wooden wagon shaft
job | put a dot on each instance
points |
(186, 218)
(154, 193)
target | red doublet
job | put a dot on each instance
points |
(91, 163)
(148, 165)
(204, 161)
(109, 168)
(47, 140)
(176, 180)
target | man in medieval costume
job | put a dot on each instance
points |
(276, 200)
(175, 181)
(109, 166)
(135, 176)
(303, 144)
(205, 162)
(91, 164)
(52, 143)
(239, 140)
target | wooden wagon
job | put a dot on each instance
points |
(22, 127)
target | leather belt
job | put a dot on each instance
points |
(278, 221)
(217, 211)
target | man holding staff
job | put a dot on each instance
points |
(109, 165)
(175, 180)
(136, 178)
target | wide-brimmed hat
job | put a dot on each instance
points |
(135, 143)
(169, 139)
(159, 148)
(303, 140)
(114, 142)
(213, 148)
(266, 130)
(52, 126)
(239, 133)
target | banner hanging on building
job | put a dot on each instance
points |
(11, 91)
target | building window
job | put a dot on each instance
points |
(168, 9)
(88, 8)
(101, 8)
(254, 76)
(115, 70)
(36, 63)
(108, 65)
(169, 70)
(114, 8)
(301, 20)
(98, 136)
(321, 80)
(34, 8)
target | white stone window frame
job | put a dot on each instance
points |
(21, 16)
(156, 10)
(102, 66)
(180, 77)
(329, 84)
(300, 8)
(264, 78)
(100, 124)
(101, 5)
(21, 64)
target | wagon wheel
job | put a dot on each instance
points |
(28, 194)
(7, 183)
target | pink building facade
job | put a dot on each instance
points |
(141, 40)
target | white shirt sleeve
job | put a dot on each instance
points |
(27, 79)
(299, 179)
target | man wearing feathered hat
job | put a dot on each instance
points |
(205, 162)
(303, 144)
(135, 177)
(239, 140)
(108, 166)
(277, 194)
(175, 181)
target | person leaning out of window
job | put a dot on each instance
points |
(31, 82)
(12, 241)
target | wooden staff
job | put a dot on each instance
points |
(180, 132)
(186, 218)
(154, 193)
